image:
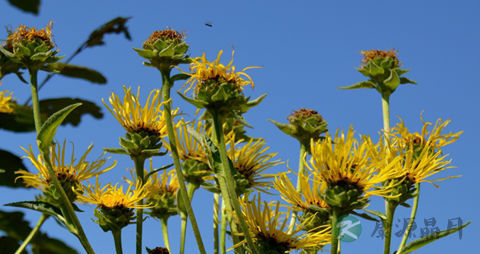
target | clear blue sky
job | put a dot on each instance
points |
(307, 49)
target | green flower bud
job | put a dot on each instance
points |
(164, 49)
(113, 219)
(382, 67)
(346, 196)
(305, 124)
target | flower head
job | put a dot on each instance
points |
(422, 153)
(114, 205)
(305, 124)
(114, 196)
(268, 227)
(70, 175)
(344, 166)
(30, 34)
(375, 54)
(433, 139)
(250, 161)
(206, 73)
(163, 194)
(168, 35)
(6, 102)
(134, 118)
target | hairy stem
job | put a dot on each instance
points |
(166, 241)
(334, 240)
(117, 237)
(412, 218)
(66, 207)
(301, 168)
(390, 207)
(216, 206)
(181, 179)
(34, 231)
(231, 193)
(139, 169)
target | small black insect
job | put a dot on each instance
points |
(209, 24)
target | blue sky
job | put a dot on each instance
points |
(307, 49)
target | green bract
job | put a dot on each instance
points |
(382, 67)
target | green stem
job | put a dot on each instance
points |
(223, 229)
(117, 237)
(334, 240)
(386, 114)
(412, 219)
(36, 103)
(390, 207)
(301, 169)
(166, 241)
(216, 206)
(190, 191)
(232, 195)
(67, 209)
(139, 164)
(66, 206)
(34, 231)
(167, 112)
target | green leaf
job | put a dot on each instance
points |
(379, 214)
(49, 128)
(116, 25)
(404, 80)
(285, 128)
(32, 6)
(19, 121)
(14, 226)
(197, 103)
(10, 163)
(180, 76)
(419, 243)
(157, 170)
(116, 150)
(359, 85)
(365, 216)
(50, 106)
(146, 53)
(75, 71)
(392, 81)
(39, 206)
(10, 245)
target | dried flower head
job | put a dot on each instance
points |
(165, 35)
(374, 54)
(30, 34)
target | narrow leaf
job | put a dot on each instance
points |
(404, 80)
(116, 25)
(359, 85)
(32, 6)
(50, 106)
(180, 76)
(38, 206)
(157, 170)
(379, 214)
(75, 71)
(49, 128)
(417, 244)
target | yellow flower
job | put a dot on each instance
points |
(72, 173)
(204, 70)
(6, 102)
(137, 119)
(306, 198)
(433, 139)
(250, 160)
(422, 153)
(188, 147)
(166, 184)
(344, 164)
(30, 34)
(268, 228)
(113, 196)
